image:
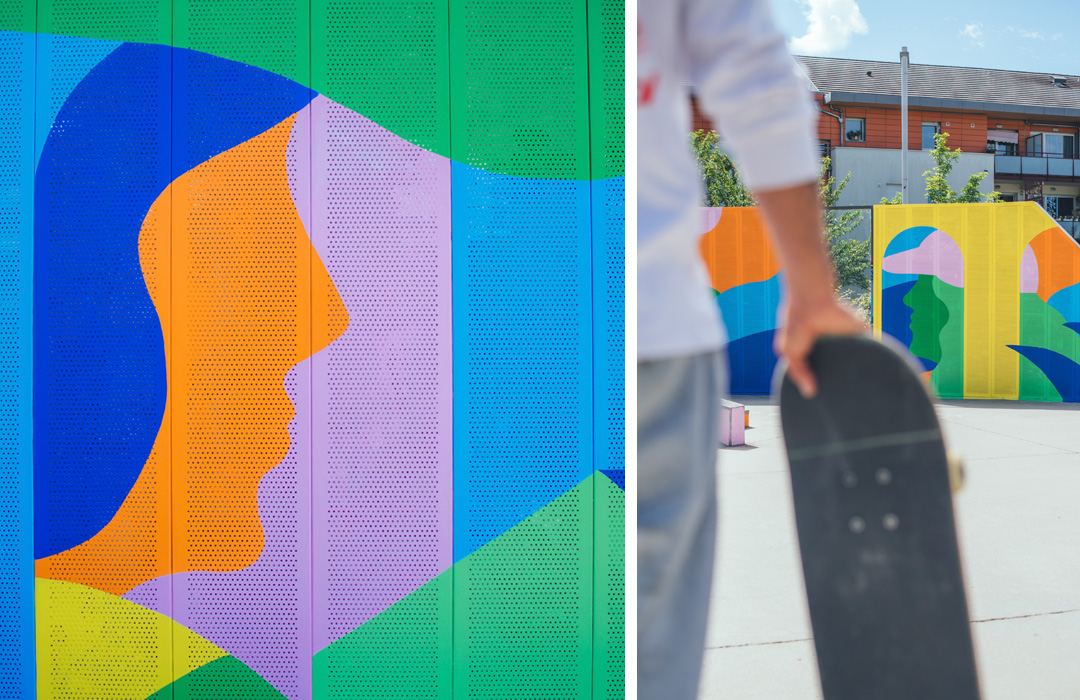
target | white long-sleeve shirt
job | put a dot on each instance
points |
(746, 80)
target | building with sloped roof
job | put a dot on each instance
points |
(1021, 128)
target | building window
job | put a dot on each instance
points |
(1051, 145)
(1003, 142)
(1059, 207)
(929, 131)
(856, 129)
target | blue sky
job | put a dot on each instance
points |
(983, 33)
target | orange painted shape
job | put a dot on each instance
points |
(242, 297)
(737, 250)
(1058, 257)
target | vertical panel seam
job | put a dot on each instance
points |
(30, 684)
(593, 345)
(453, 347)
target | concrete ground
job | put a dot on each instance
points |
(1018, 518)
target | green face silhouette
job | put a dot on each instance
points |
(928, 318)
(937, 332)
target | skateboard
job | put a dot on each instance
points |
(873, 510)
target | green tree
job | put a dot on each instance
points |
(937, 188)
(723, 186)
(850, 258)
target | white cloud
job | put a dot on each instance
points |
(832, 22)
(1031, 34)
(973, 32)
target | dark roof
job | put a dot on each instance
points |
(946, 87)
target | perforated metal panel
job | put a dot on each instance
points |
(523, 622)
(99, 383)
(242, 267)
(380, 220)
(17, 66)
(606, 49)
(247, 345)
(523, 335)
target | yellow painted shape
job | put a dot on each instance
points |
(992, 239)
(93, 645)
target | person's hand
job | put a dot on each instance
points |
(804, 321)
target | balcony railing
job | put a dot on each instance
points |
(1045, 165)
(1071, 225)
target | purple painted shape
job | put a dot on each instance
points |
(261, 614)
(371, 439)
(710, 217)
(382, 401)
(937, 255)
(1029, 272)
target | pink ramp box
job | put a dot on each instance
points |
(732, 423)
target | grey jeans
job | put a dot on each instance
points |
(678, 438)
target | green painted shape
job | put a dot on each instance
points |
(514, 619)
(144, 21)
(519, 71)
(523, 618)
(609, 599)
(929, 315)
(607, 85)
(403, 652)
(389, 61)
(222, 679)
(947, 379)
(519, 87)
(1042, 326)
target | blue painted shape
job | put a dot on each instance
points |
(617, 476)
(891, 279)
(751, 363)
(99, 361)
(895, 314)
(928, 365)
(63, 63)
(1067, 302)
(17, 157)
(1073, 325)
(522, 336)
(908, 239)
(751, 308)
(1062, 372)
(609, 327)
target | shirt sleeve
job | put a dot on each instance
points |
(747, 81)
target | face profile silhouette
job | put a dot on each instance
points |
(242, 297)
(923, 303)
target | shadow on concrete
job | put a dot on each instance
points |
(739, 448)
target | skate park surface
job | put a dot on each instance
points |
(1017, 522)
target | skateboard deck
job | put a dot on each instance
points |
(873, 510)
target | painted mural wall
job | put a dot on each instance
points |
(311, 370)
(986, 296)
(746, 280)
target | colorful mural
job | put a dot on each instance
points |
(746, 279)
(986, 296)
(286, 410)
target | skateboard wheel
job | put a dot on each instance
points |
(956, 471)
